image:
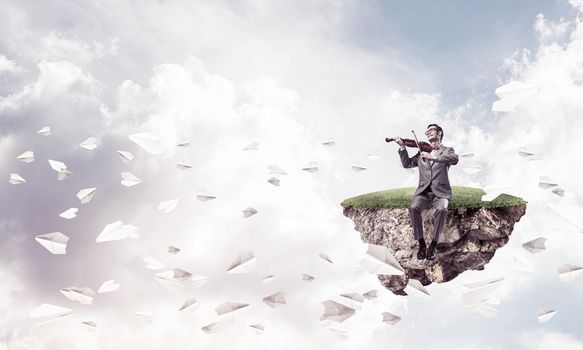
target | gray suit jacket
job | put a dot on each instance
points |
(432, 173)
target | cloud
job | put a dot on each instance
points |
(8, 66)
(543, 339)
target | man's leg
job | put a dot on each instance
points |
(439, 219)
(419, 203)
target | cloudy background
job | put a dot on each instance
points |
(288, 75)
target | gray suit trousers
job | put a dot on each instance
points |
(420, 202)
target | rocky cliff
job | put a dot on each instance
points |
(468, 241)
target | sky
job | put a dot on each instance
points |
(288, 75)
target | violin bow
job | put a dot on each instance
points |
(417, 142)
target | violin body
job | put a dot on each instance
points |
(425, 146)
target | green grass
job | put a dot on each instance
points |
(462, 197)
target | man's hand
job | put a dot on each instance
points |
(399, 141)
(426, 155)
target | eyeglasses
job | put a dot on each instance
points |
(429, 130)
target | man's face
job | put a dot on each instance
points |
(432, 134)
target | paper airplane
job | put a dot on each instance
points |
(373, 155)
(559, 192)
(148, 142)
(203, 196)
(328, 142)
(228, 307)
(570, 213)
(379, 260)
(247, 212)
(371, 294)
(125, 156)
(258, 328)
(172, 280)
(414, 286)
(116, 231)
(523, 263)
(198, 280)
(209, 328)
(358, 167)
(27, 157)
(90, 144)
(60, 168)
(354, 297)
(312, 167)
(189, 304)
(390, 318)
(341, 176)
(252, 146)
(568, 272)
(183, 144)
(268, 278)
(492, 192)
(244, 263)
(536, 245)
(274, 181)
(16, 179)
(86, 194)
(512, 95)
(546, 182)
(173, 250)
(108, 287)
(544, 315)
(487, 308)
(128, 179)
(307, 278)
(467, 154)
(145, 315)
(46, 131)
(168, 206)
(82, 295)
(69, 213)
(183, 166)
(335, 311)
(275, 300)
(54, 242)
(90, 324)
(325, 257)
(49, 312)
(275, 169)
(153, 263)
(480, 291)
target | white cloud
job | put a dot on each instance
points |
(8, 66)
(544, 339)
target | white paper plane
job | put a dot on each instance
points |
(244, 263)
(148, 142)
(559, 192)
(354, 297)
(371, 294)
(153, 263)
(373, 155)
(86, 194)
(252, 146)
(145, 315)
(307, 278)
(536, 245)
(82, 295)
(90, 144)
(183, 166)
(173, 250)
(128, 179)
(69, 213)
(274, 181)
(379, 260)
(390, 318)
(54, 242)
(189, 304)
(257, 328)
(511, 95)
(312, 167)
(414, 286)
(108, 287)
(487, 308)
(328, 142)
(16, 179)
(480, 291)
(203, 196)
(275, 300)
(90, 324)
(468, 154)
(568, 272)
(49, 312)
(168, 206)
(61, 169)
(199, 280)
(341, 176)
(27, 157)
(267, 279)
(183, 144)
(247, 212)
(116, 231)
(358, 167)
(228, 307)
(172, 280)
(544, 315)
(275, 169)
(335, 311)
(125, 156)
(546, 182)
(325, 257)
(46, 131)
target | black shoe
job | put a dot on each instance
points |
(432, 252)
(421, 253)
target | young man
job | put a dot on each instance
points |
(433, 186)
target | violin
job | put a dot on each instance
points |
(425, 146)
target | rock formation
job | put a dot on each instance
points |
(468, 240)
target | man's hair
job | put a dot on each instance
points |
(439, 129)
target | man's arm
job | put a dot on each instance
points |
(408, 162)
(450, 157)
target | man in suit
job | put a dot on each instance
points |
(433, 186)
